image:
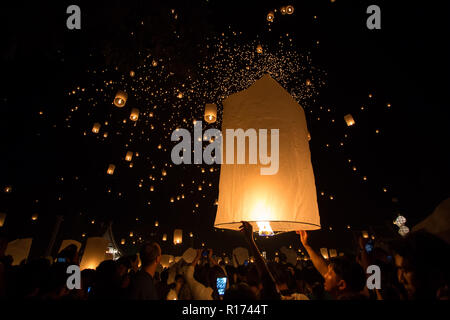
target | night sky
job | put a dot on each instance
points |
(55, 165)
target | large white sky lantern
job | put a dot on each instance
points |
(280, 200)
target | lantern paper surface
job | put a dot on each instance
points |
(66, 243)
(94, 253)
(2, 218)
(333, 253)
(19, 250)
(189, 255)
(178, 236)
(286, 199)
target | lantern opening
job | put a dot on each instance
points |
(264, 228)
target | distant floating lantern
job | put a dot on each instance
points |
(309, 136)
(132, 74)
(129, 156)
(163, 172)
(154, 63)
(121, 99)
(152, 188)
(191, 234)
(7, 189)
(289, 9)
(134, 116)
(365, 234)
(180, 95)
(122, 242)
(283, 10)
(349, 120)
(403, 231)
(259, 48)
(131, 234)
(164, 237)
(210, 113)
(156, 223)
(324, 252)
(270, 16)
(333, 253)
(172, 199)
(34, 217)
(308, 82)
(2, 219)
(400, 221)
(96, 127)
(178, 236)
(111, 169)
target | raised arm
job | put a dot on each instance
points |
(317, 260)
(269, 287)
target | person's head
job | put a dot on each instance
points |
(150, 254)
(241, 291)
(344, 276)
(70, 254)
(422, 264)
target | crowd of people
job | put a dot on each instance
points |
(415, 267)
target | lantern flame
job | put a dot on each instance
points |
(264, 228)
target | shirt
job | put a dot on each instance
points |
(143, 287)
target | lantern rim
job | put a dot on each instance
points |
(289, 226)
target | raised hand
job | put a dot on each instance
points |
(247, 230)
(303, 237)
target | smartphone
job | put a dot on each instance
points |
(63, 260)
(221, 285)
(246, 263)
(205, 253)
(89, 289)
(369, 246)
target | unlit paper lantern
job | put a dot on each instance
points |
(284, 201)
(120, 99)
(178, 236)
(19, 250)
(210, 113)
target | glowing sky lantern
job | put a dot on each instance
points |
(111, 169)
(178, 236)
(210, 113)
(129, 156)
(270, 16)
(283, 201)
(324, 253)
(289, 9)
(96, 127)
(349, 120)
(134, 116)
(164, 237)
(259, 48)
(120, 99)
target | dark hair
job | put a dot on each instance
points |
(427, 257)
(240, 291)
(149, 252)
(351, 272)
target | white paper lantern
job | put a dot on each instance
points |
(94, 253)
(286, 200)
(400, 221)
(19, 249)
(289, 9)
(403, 231)
(178, 236)
(120, 99)
(333, 253)
(210, 113)
(365, 234)
(164, 237)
